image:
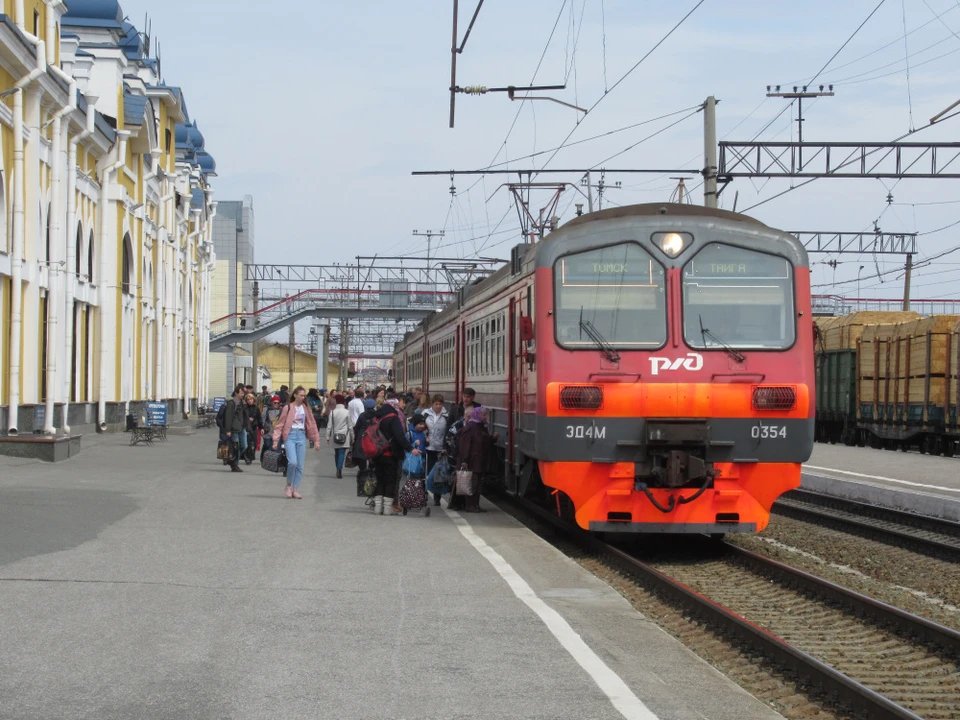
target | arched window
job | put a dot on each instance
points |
(78, 260)
(90, 257)
(126, 268)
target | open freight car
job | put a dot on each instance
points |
(889, 380)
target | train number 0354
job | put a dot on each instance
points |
(764, 432)
(586, 431)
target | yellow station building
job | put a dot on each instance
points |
(105, 224)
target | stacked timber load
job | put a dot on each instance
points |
(873, 363)
(922, 368)
(842, 333)
(905, 369)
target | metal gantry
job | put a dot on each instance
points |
(839, 159)
(374, 288)
(857, 242)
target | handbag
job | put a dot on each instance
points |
(339, 438)
(465, 481)
(226, 450)
(274, 460)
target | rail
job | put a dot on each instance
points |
(829, 682)
(932, 536)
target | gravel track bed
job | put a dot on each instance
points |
(769, 684)
(911, 581)
(893, 666)
(873, 521)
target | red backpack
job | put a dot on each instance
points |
(373, 442)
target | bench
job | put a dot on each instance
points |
(205, 421)
(143, 435)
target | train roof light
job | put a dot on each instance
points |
(672, 244)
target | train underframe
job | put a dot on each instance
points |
(929, 438)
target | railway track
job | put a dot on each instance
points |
(862, 655)
(931, 536)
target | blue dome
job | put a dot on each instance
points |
(189, 137)
(206, 162)
(93, 13)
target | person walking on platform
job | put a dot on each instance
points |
(340, 430)
(437, 420)
(364, 420)
(387, 466)
(252, 427)
(234, 421)
(355, 406)
(284, 395)
(269, 419)
(476, 452)
(293, 428)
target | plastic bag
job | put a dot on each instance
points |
(440, 480)
(413, 465)
(465, 483)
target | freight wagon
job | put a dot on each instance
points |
(889, 380)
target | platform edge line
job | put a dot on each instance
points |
(612, 685)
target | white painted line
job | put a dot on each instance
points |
(611, 684)
(885, 479)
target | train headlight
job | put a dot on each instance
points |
(672, 244)
(581, 397)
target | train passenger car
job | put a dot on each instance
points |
(649, 368)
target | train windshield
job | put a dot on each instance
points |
(614, 293)
(738, 298)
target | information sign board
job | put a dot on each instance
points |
(219, 402)
(156, 413)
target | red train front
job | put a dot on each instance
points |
(659, 368)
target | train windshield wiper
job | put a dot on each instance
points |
(704, 334)
(607, 349)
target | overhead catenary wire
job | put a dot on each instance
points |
(607, 92)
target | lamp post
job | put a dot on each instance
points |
(858, 283)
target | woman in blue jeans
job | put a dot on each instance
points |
(294, 426)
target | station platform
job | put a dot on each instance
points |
(926, 484)
(151, 582)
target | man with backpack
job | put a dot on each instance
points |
(232, 423)
(387, 452)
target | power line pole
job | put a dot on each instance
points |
(710, 152)
(799, 96)
(430, 235)
(292, 354)
(906, 282)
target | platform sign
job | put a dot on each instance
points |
(219, 402)
(156, 413)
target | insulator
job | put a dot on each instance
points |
(475, 90)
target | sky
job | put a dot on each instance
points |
(320, 111)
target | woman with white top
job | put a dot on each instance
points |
(294, 426)
(340, 429)
(437, 423)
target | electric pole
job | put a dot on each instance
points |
(799, 94)
(709, 153)
(906, 282)
(292, 355)
(430, 235)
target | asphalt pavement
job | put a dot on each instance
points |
(150, 582)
